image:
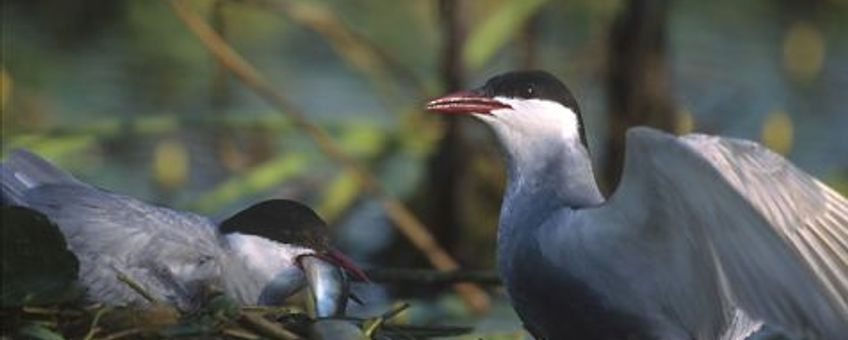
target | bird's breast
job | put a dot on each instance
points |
(553, 304)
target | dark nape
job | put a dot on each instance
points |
(281, 220)
(534, 84)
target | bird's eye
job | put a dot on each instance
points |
(528, 91)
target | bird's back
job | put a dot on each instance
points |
(164, 250)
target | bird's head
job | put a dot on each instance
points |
(275, 236)
(526, 109)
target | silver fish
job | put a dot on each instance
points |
(329, 285)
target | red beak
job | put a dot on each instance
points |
(465, 102)
(341, 260)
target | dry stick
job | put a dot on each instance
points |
(267, 328)
(403, 219)
(50, 311)
(340, 34)
(136, 287)
(240, 334)
(371, 326)
(93, 329)
(132, 332)
(431, 277)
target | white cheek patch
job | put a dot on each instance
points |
(264, 255)
(537, 116)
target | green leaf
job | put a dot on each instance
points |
(496, 30)
(260, 178)
(38, 268)
(339, 195)
(35, 331)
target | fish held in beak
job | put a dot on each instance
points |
(328, 284)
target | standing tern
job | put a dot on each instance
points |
(260, 255)
(705, 238)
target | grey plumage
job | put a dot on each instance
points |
(705, 237)
(720, 224)
(174, 255)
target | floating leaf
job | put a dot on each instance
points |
(38, 268)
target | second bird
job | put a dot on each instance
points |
(260, 255)
(705, 238)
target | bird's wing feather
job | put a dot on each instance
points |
(113, 233)
(22, 170)
(777, 236)
(132, 236)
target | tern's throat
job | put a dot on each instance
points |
(259, 269)
(550, 175)
(545, 174)
(547, 164)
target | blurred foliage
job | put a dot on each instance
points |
(497, 29)
(777, 132)
(6, 86)
(170, 164)
(119, 93)
(803, 51)
(685, 122)
(259, 178)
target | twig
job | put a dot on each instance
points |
(50, 311)
(268, 328)
(370, 326)
(432, 277)
(403, 219)
(137, 288)
(124, 334)
(240, 334)
(93, 329)
(395, 311)
(269, 309)
(354, 47)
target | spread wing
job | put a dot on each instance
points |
(777, 237)
(165, 251)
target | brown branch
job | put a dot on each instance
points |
(447, 165)
(638, 88)
(127, 333)
(265, 327)
(354, 47)
(239, 334)
(431, 277)
(403, 219)
(94, 328)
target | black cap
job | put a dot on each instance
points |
(533, 85)
(281, 220)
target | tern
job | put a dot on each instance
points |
(706, 237)
(260, 255)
